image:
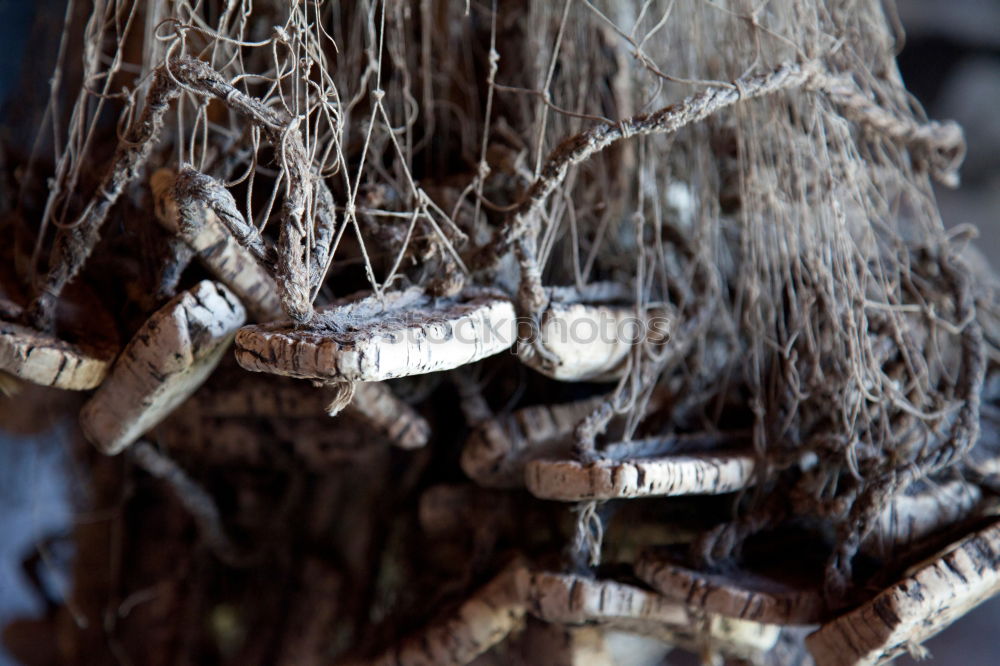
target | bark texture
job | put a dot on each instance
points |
(167, 360)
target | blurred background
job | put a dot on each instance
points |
(950, 61)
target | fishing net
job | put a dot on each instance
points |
(755, 172)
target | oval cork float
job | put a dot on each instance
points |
(166, 361)
(696, 474)
(77, 360)
(406, 333)
(587, 335)
(742, 594)
(570, 599)
(497, 450)
(936, 593)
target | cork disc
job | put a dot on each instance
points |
(586, 335)
(75, 359)
(695, 474)
(497, 450)
(582, 343)
(574, 600)
(169, 357)
(935, 594)
(407, 333)
(741, 594)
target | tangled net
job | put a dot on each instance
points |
(757, 170)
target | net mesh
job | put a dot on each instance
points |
(757, 168)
